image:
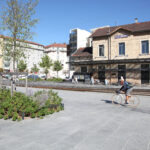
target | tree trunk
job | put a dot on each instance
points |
(57, 74)
(46, 76)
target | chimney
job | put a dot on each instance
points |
(136, 20)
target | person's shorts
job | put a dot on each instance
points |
(128, 92)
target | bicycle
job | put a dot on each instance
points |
(119, 99)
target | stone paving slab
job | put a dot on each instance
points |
(89, 122)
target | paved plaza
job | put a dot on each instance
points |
(89, 122)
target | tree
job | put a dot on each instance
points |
(46, 64)
(22, 66)
(57, 66)
(17, 21)
(34, 68)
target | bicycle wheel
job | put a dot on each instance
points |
(117, 99)
(134, 101)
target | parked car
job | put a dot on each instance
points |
(33, 76)
(21, 76)
(42, 76)
(67, 79)
(6, 76)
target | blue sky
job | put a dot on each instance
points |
(57, 17)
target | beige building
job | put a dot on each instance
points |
(58, 52)
(121, 51)
(33, 53)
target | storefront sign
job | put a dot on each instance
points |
(120, 36)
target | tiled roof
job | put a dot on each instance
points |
(7, 37)
(84, 51)
(57, 45)
(135, 27)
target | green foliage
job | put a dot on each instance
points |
(22, 65)
(10, 113)
(17, 20)
(39, 114)
(33, 115)
(50, 97)
(19, 119)
(55, 80)
(34, 68)
(57, 66)
(52, 79)
(46, 64)
(5, 117)
(1, 116)
(2, 111)
(54, 98)
(37, 106)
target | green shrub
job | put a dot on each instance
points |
(42, 111)
(1, 116)
(19, 119)
(36, 106)
(39, 114)
(52, 111)
(15, 116)
(10, 114)
(55, 79)
(5, 117)
(2, 111)
(33, 115)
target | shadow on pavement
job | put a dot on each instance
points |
(107, 101)
(145, 110)
(115, 103)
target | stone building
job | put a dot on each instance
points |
(79, 60)
(34, 52)
(58, 51)
(120, 51)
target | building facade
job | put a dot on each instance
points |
(78, 38)
(33, 53)
(58, 52)
(81, 56)
(121, 51)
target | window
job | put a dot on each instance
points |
(101, 50)
(84, 69)
(121, 48)
(145, 47)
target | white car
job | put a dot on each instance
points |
(42, 76)
(21, 76)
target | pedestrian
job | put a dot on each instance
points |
(76, 79)
(106, 82)
(92, 80)
(73, 80)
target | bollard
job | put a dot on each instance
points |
(23, 114)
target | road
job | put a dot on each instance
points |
(89, 122)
